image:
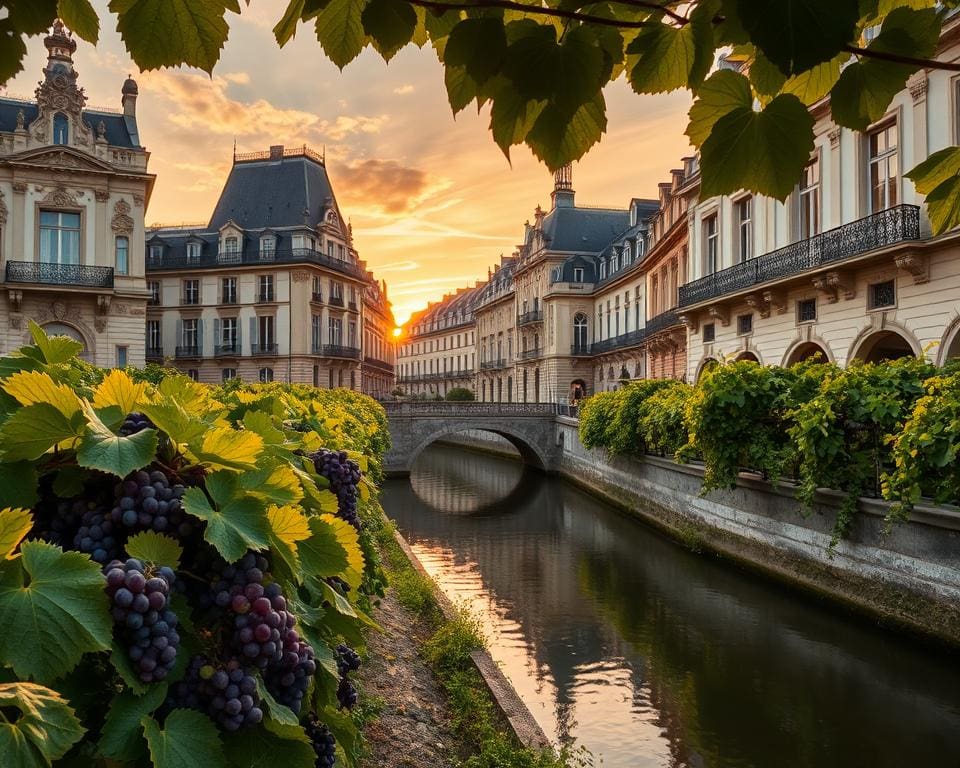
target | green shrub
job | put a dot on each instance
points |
(663, 419)
(460, 395)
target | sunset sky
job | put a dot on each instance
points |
(432, 199)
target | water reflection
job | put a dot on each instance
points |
(651, 656)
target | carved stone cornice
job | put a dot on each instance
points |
(138, 201)
(61, 197)
(842, 283)
(720, 314)
(916, 264)
(776, 300)
(691, 320)
(16, 300)
(102, 195)
(20, 187)
(918, 88)
(834, 136)
(758, 304)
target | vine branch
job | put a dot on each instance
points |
(896, 58)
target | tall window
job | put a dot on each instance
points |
(122, 248)
(193, 252)
(655, 295)
(883, 171)
(268, 246)
(231, 245)
(228, 373)
(61, 129)
(637, 306)
(810, 200)
(352, 335)
(335, 331)
(336, 292)
(265, 285)
(59, 237)
(744, 211)
(191, 292)
(316, 331)
(266, 375)
(616, 317)
(229, 338)
(154, 287)
(266, 331)
(156, 252)
(190, 334)
(711, 244)
(580, 332)
(578, 274)
(317, 288)
(154, 339)
(228, 292)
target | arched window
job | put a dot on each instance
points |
(61, 129)
(122, 247)
(580, 332)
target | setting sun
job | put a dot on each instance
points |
(397, 333)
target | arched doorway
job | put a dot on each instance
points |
(951, 344)
(62, 329)
(884, 345)
(578, 391)
(707, 365)
(748, 357)
(805, 351)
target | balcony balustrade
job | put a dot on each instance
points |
(664, 320)
(894, 225)
(154, 353)
(493, 365)
(227, 350)
(232, 259)
(337, 350)
(188, 352)
(65, 275)
(531, 354)
(528, 318)
(336, 301)
(270, 348)
(631, 339)
(580, 350)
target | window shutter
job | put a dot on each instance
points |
(217, 335)
(180, 333)
(200, 335)
(253, 333)
(239, 341)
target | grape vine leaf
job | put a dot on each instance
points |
(120, 659)
(18, 484)
(32, 431)
(477, 45)
(44, 731)
(153, 547)
(188, 739)
(54, 349)
(286, 28)
(117, 388)
(340, 30)
(258, 748)
(938, 177)
(333, 549)
(226, 448)
(558, 138)
(238, 523)
(343, 728)
(670, 57)
(288, 525)
(263, 424)
(167, 33)
(122, 734)
(722, 92)
(32, 387)
(815, 83)
(273, 482)
(14, 525)
(390, 24)
(52, 610)
(100, 448)
(757, 151)
(276, 712)
(80, 18)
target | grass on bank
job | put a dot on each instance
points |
(474, 716)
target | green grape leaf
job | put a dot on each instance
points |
(14, 525)
(558, 138)
(258, 748)
(390, 24)
(226, 448)
(479, 45)
(343, 728)
(31, 432)
(287, 26)
(816, 83)
(188, 739)
(80, 18)
(32, 17)
(275, 711)
(340, 30)
(766, 77)
(153, 547)
(100, 448)
(512, 116)
(532, 59)
(274, 482)
(333, 549)
(263, 424)
(118, 389)
(238, 523)
(935, 170)
(579, 69)
(339, 602)
(121, 737)
(764, 152)
(943, 205)
(721, 94)
(54, 349)
(120, 660)
(798, 34)
(12, 50)
(461, 89)
(44, 731)
(172, 419)
(18, 484)
(670, 57)
(287, 527)
(32, 387)
(168, 33)
(52, 610)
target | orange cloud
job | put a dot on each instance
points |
(385, 185)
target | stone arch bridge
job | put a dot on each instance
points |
(530, 427)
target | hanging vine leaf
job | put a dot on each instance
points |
(44, 730)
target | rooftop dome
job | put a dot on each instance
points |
(130, 87)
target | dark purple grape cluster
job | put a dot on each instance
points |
(146, 625)
(226, 692)
(135, 422)
(148, 501)
(96, 534)
(344, 476)
(289, 679)
(322, 740)
(348, 660)
(58, 520)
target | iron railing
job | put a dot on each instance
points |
(336, 301)
(338, 350)
(441, 408)
(264, 349)
(630, 339)
(280, 256)
(664, 320)
(59, 274)
(531, 354)
(380, 365)
(442, 376)
(227, 350)
(191, 351)
(534, 316)
(894, 225)
(579, 350)
(352, 306)
(154, 353)
(317, 297)
(492, 365)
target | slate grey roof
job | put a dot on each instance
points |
(583, 229)
(290, 192)
(118, 128)
(564, 272)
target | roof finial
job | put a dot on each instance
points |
(234, 149)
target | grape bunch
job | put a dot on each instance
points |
(57, 520)
(96, 534)
(289, 679)
(348, 660)
(226, 692)
(140, 609)
(343, 475)
(322, 740)
(135, 422)
(147, 501)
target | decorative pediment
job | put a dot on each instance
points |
(61, 197)
(59, 158)
(122, 222)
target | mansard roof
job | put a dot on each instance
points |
(117, 127)
(583, 229)
(288, 191)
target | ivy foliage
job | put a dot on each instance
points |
(70, 692)
(542, 67)
(889, 430)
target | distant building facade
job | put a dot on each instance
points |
(73, 189)
(271, 289)
(496, 317)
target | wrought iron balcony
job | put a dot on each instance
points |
(580, 350)
(380, 365)
(227, 350)
(631, 339)
(266, 297)
(531, 354)
(264, 349)
(527, 318)
(664, 320)
(186, 352)
(338, 350)
(317, 297)
(894, 225)
(68, 275)
(352, 306)
(280, 256)
(493, 365)
(154, 353)
(336, 301)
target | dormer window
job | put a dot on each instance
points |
(231, 245)
(193, 252)
(578, 274)
(156, 252)
(61, 129)
(268, 247)
(627, 254)
(603, 269)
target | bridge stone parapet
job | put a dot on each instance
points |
(530, 427)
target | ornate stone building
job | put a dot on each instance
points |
(73, 189)
(496, 316)
(379, 345)
(271, 289)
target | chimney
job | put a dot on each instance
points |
(130, 92)
(276, 152)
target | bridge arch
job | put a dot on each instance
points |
(529, 453)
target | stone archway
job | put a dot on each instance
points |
(748, 356)
(800, 351)
(950, 344)
(59, 328)
(707, 364)
(887, 344)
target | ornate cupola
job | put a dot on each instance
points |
(60, 47)
(563, 193)
(60, 101)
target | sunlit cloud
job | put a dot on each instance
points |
(403, 90)
(387, 185)
(399, 266)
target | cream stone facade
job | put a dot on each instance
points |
(74, 186)
(271, 289)
(496, 317)
(846, 267)
(378, 371)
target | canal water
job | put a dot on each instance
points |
(649, 655)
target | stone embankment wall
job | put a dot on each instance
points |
(908, 578)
